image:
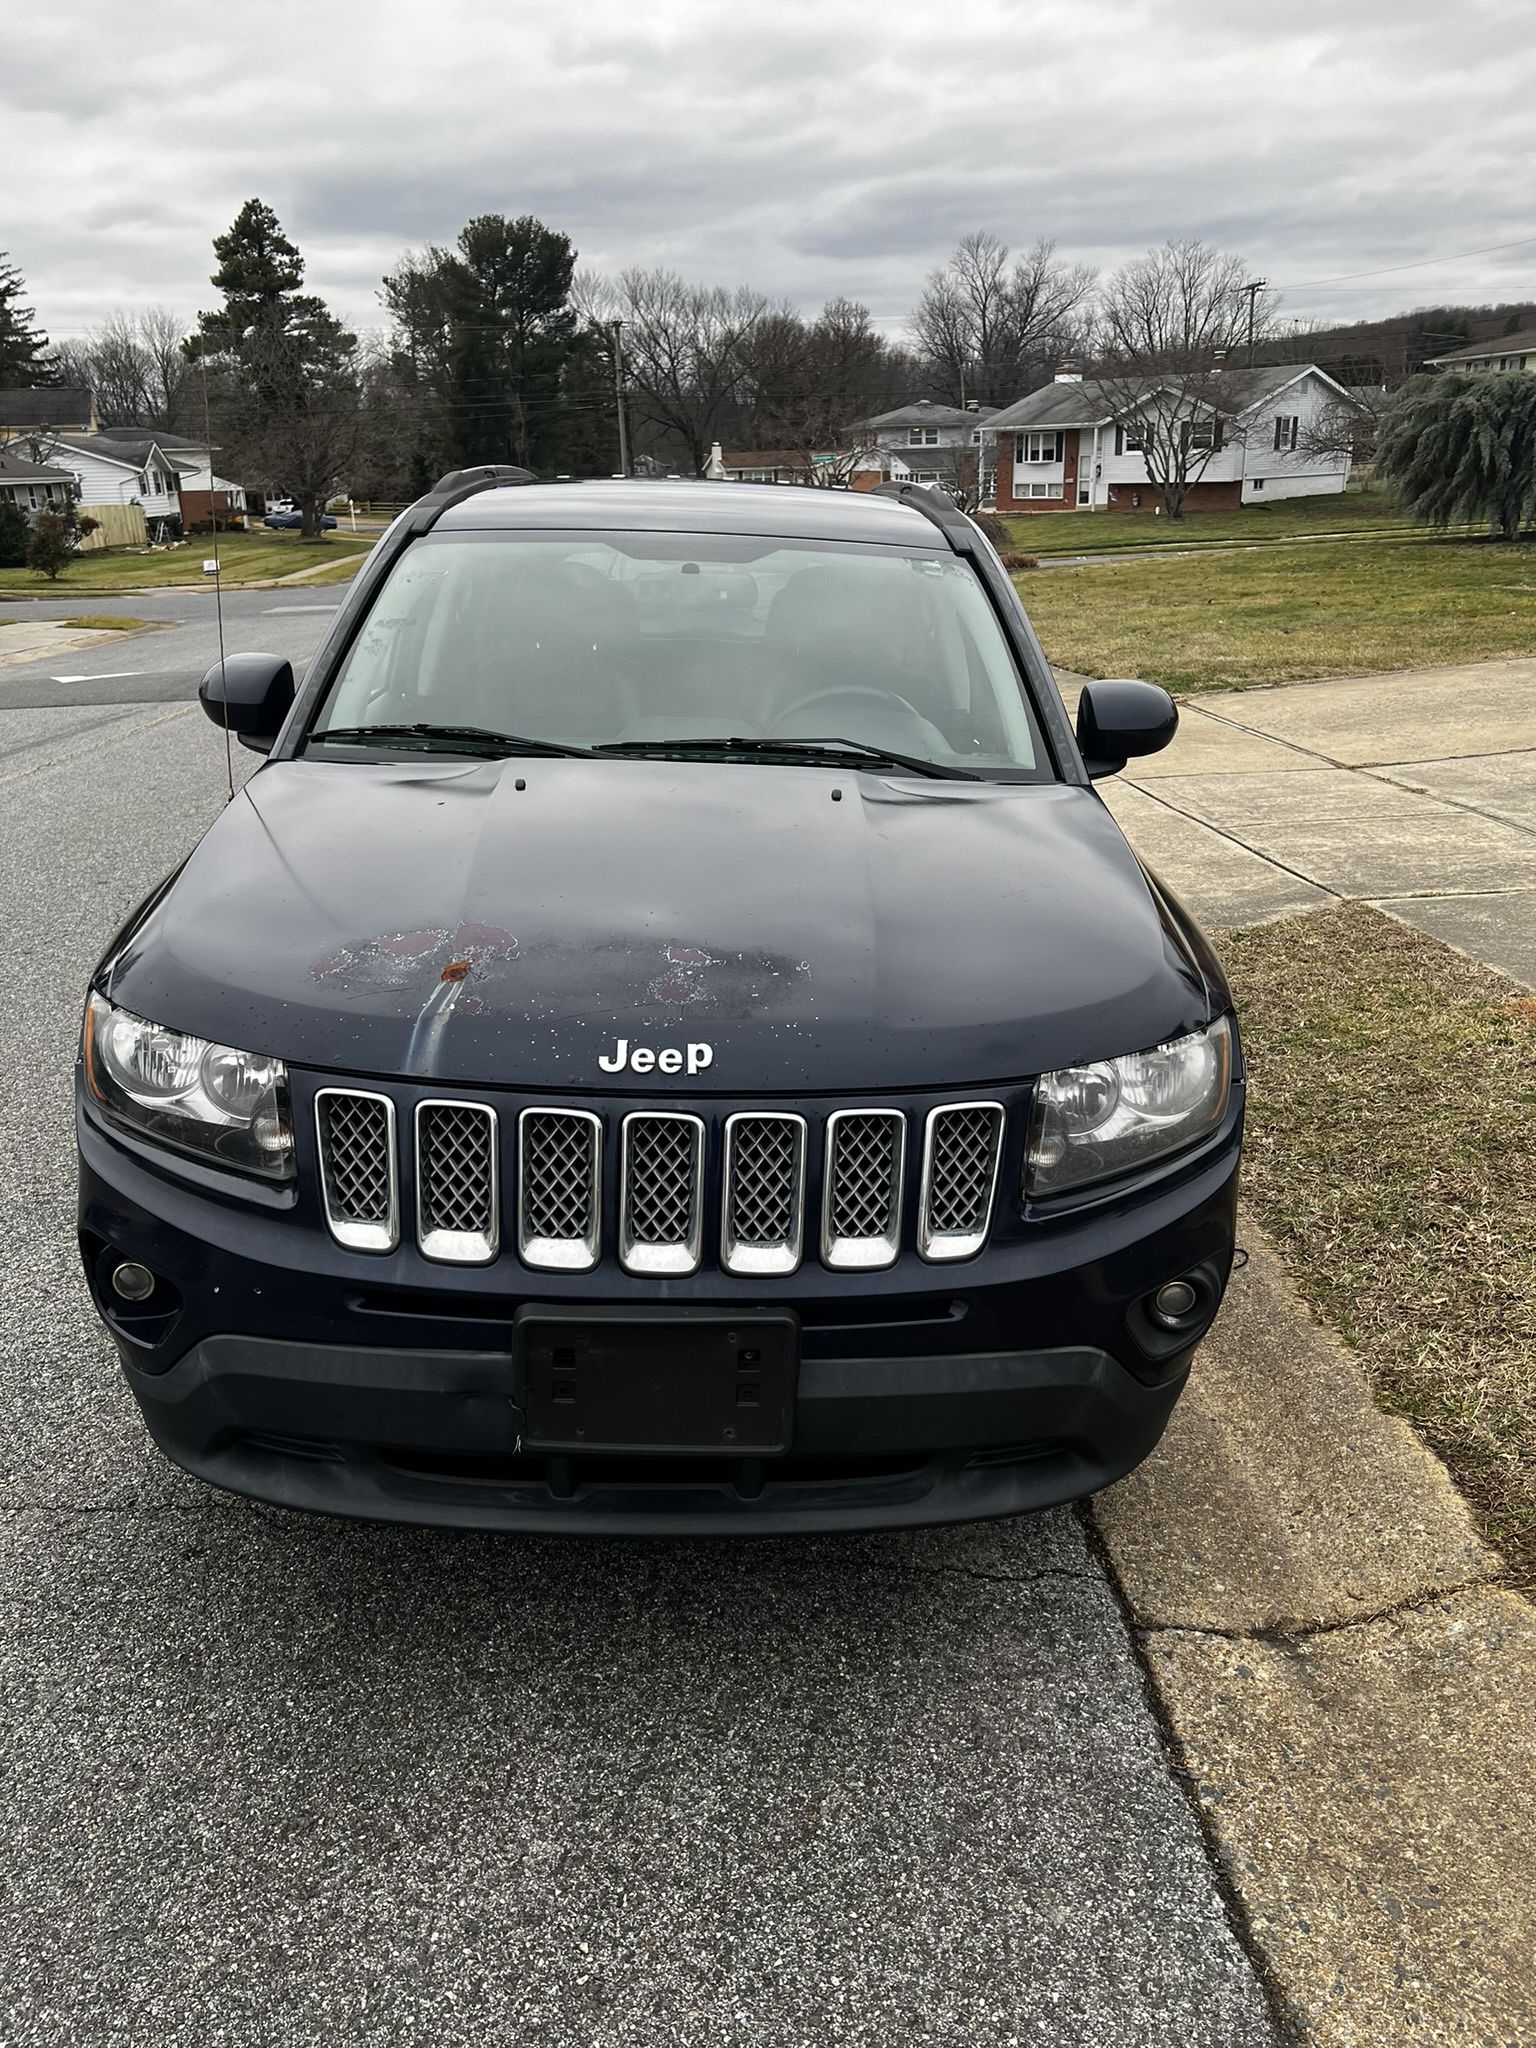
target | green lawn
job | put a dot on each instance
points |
(1228, 621)
(1075, 533)
(245, 558)
(1392, 1154)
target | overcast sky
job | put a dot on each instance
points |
(807, 147)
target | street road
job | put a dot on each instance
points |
(169, 663)
(275, 1780)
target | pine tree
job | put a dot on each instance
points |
(24, 357)
(287, 368)
(1462, 450)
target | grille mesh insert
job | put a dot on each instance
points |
(454, 1164)
(354, 1157)
(559, 1177)
(764, 1206)
(964, 1152)
(661, 1192)
(861, 1186)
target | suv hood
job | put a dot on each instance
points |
(507, 922)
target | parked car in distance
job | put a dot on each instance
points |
(669, 1039)
(291, 522)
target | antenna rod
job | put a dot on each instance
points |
(218, 583)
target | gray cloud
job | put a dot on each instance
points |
(805, 146)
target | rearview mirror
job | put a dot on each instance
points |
(1119, 717)
(251, 695)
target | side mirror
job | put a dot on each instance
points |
(1120, 717)
(252, 694)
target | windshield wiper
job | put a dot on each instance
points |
(830, 750)
(453, 738)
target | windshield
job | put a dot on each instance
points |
(633, 640)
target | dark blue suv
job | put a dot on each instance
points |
(669, 1039)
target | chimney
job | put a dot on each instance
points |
(973, 405)
(1218, 361)
(1069, 373)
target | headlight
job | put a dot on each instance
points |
(228, 1106)
(1093, 1121)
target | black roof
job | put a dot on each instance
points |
(683, 505)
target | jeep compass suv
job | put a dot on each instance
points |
(670, 1039)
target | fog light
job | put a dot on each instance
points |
(132, 1282)
(1173, 1302)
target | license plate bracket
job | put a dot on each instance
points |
(705, 1383)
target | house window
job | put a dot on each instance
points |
(1039, 447)
(1203, 437)
(1256, 483)
(926, 476)
(1045, 490)
(1287, 426)
(1127, 439)
(976, 432)
(922, 437)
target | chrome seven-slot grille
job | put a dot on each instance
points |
(663, 1158)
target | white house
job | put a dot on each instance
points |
(32, 487)
(922, 443)
(116, 480)
(1070, 446)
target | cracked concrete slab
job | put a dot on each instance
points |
(1483, 707)
(1222, 883)
(1281, 1496)
(1498, 785)
(1498, 930)
(1356, 835)
(1373, 1794)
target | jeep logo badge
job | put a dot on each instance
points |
(649, 1059)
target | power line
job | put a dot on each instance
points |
(1393, 269)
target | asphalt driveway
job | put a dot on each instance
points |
(274, 1780)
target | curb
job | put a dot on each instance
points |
(1347, 1685)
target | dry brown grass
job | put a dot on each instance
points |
(1392, 1154)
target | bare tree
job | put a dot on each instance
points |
(686, 350)
(988, 325)
(135, 366)
(1168, 323)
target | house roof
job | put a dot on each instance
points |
(134, 448)
(96, 445)
(15, 470)
(53, 405)
(924, 412)
(1500, 345)
(1085, 402)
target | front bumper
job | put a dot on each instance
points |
(274, 1364)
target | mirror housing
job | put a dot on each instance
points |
(1121, 716)
(250, 693)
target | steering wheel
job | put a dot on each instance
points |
(846, 693)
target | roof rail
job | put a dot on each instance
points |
(459, 484)
(939, 509)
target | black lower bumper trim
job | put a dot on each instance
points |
(437, 1438)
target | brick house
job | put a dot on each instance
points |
(1068, 447)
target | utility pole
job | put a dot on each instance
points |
(1253, 287)
(618, 395)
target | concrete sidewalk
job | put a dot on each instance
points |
(1349, 1682)
(1415, 792)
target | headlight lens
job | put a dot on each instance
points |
(1093, 1121)
(228, 1106)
